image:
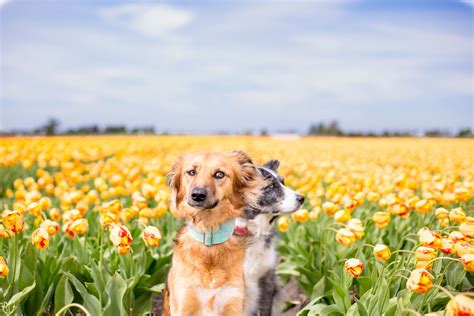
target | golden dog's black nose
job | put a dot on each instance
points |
(198, 194)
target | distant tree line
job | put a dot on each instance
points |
(317, 129)
(51, 129)
(332, 129)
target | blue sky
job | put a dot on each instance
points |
(183, 67)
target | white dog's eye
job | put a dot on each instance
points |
(191, 172)
(219, 175)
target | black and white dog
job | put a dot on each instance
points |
(261, 256)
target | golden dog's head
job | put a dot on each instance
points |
(210, 188)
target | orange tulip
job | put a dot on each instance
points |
(123, 250)
(460, 305)
(151, 236)
(429, 238)
(120, 236)
(77, 227)
(13, 221)
(419, 281)
(447, 246)
(345, 237)
(353, 267)
(468, 262)
(425, 253)
(3, 267)
(50, 226)
(329, 207)
(382, 253)
(40, 238)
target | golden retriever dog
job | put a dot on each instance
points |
(209, 191)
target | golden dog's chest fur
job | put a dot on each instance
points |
(207, 280)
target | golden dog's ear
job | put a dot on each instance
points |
(173, 179)
(242, 157)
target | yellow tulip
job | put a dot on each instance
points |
(420, 281)
(283, 223)
(381, 219)
(441, 213)
(300, 216)
(55, 214)
(355, 225)
(463, 248)
(354, 267)
(329, 207)
(342, 216)
(467, 229)
(313, 215)
(457, 215)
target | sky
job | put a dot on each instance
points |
(213, 66)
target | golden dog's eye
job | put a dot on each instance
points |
(219, 175)
(191, 172)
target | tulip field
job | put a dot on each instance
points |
(387, 227)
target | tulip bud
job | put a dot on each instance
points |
(300, 216)
(441, 213)
(419, 281)
(3, 232)
(313, 215)
(353, 267)
(151, 236)
(40, 238)
(55, 214)
(382, 253)
(381, 219)
(345, 237)
(3, 267)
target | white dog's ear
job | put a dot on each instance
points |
(272, 164)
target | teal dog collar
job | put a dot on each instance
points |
(210, 237)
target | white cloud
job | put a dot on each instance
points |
(3, 2)
(148, 19)
(468, 2)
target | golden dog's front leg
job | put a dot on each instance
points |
(186, 303)
(235, 307)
